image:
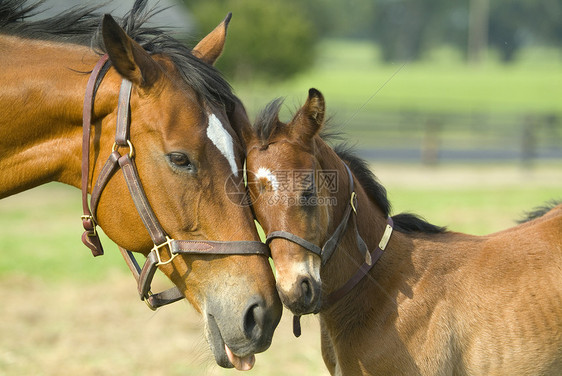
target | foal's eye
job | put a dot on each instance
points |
(180, 160)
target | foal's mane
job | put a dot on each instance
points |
(266, 125)
(82, 26)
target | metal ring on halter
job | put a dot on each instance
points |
(152, 308)
(172, 255)
(131, 149)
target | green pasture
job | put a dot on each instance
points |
(440, 100)
(350, 74)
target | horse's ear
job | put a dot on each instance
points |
(129, 59)
(210, 48)
(310, 118)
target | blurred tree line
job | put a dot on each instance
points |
(278, 37)
(273, 39)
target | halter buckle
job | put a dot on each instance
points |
(385, 237)
(149, 305)
(157, 247)
(353, 201)
(93, 231)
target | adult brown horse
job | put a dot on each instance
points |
(435, 303)
(172, 136)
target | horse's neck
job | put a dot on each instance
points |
(41, 96)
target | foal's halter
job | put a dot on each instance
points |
(165, 249)
(327, 250)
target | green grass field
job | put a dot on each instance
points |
(349, 74)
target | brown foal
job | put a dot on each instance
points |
(427, 301)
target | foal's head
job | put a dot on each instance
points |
(292, 192)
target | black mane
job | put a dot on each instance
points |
(403, 222)
(267, 124)
(82, 26)
(539, 211)
(267, 120)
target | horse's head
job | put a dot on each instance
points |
(290, 195)
(188, 158)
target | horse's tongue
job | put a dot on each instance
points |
(241, 364)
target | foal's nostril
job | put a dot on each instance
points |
(254, 321)
(308, 293)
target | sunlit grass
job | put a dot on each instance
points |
(350, 74)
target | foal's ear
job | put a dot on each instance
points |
(210, 48)
(310, 118)
(129, 59)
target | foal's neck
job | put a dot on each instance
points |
(41, 97)
(371, 222)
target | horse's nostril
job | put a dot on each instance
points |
(254, 321)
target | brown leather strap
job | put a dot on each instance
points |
(153, 301)
(90, 237)
(131, 262)
(144, 209)
(145, 275)
(219, 247)
(169, 296)
(123, 113)
(336, 295)
(311, 247)
(297, 326)
(107, 171)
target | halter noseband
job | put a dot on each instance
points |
(327, 250)
(159, 237)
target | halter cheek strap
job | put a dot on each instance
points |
(90, 236)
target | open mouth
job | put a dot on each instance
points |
(240, 363)
(224, 356)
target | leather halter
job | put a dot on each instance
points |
(327, 250)
(157, 256)
(330, 245)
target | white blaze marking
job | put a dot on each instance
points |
(266, 174)
(222, 140)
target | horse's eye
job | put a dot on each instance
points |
(309, 192)
(179, 160)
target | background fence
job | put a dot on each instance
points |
(432, 138)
